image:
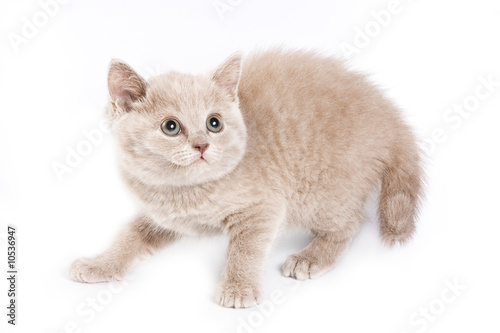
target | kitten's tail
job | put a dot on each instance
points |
(401, 193)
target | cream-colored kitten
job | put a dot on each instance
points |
(282, 139)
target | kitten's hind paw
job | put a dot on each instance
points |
(301, 268)
(94, 270)
(235, 295)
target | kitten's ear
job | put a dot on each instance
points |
(125, 86)
(227, 75)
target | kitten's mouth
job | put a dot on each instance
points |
(194, 161)
(201, 159)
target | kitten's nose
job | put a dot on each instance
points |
(201, 147)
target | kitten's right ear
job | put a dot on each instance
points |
(125, 86)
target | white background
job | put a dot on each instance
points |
(429, 57)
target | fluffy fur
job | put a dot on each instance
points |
(304, 141)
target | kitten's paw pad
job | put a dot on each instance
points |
(301, 268)
(92, 271)
(238, 296)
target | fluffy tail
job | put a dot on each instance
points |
(400, 195)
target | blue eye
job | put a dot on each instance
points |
(214, 124)
(171, 127)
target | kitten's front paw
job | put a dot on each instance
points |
(94, 270)
(238, 295)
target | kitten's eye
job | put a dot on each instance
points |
(214, 124)
(171, 127)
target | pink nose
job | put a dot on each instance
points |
(202, 147)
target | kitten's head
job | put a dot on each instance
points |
(178, 129)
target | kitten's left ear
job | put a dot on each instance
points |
(125, 86)
(227, 75)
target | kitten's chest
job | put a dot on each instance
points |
(189, 211)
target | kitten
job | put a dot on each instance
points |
(281, 139)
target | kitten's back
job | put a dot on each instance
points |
(299, 104)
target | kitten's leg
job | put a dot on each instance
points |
(318, 257)
(251, 237)
(137, 239)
